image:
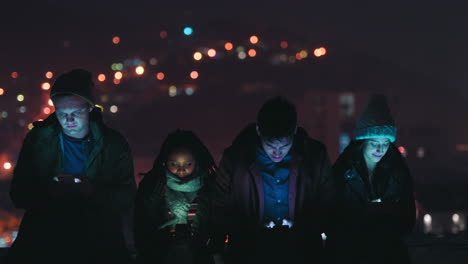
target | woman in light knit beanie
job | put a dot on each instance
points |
(377, 206)
(168, 212)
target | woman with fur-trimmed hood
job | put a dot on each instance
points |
(168, 211)
(377, 206)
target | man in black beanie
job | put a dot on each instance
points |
(74, 177)
(274, 193)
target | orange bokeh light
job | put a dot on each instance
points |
(116, 40)
(323, 50)
(139, 70)
(45, 86)
(194, 75)
(7, 165)
(320, 52)
(284, 44)
(118, 75)
(101, 77)
(317, 53)
(211, 53)
(46, 110)
(228, 46)
(254, 39)
(298, 56)
(197, 56)
(49, 75)
(2, 91)
(252, 52)
(160, 76)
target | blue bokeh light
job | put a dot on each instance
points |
(188, 31)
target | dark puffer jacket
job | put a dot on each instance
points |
(79, 222)
(238, 203)
(366, 231)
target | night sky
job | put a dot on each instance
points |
(425, 36)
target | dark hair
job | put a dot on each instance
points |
(277, 118)
(353, 153)
(186, 140)
(390, 163)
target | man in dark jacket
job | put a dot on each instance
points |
(274, 192)
(74, 177)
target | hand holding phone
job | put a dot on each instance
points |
(64, 178)
(68, 178)
(68, 185)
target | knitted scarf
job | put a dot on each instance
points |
(179, 196)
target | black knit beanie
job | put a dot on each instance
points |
(376, 120)
(76, 82)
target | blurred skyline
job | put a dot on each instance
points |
(412, 51)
